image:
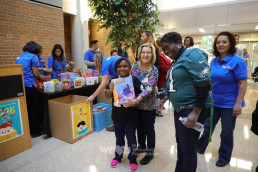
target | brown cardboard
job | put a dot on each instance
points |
(61, 118)
(23, 142)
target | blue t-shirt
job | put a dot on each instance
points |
(120, 53)
(225, 76)
(59, 65)
(28, 61)
(42, 63)
(108, 66)
(89, 55)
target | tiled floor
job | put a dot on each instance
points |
(94, 152)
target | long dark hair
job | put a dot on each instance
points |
(58, 46)
(232, 41)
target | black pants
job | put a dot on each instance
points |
(145, 127)
(33, 110)
(128, 130)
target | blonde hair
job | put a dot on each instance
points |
(98, 57)
(153, 52)
(151, 38)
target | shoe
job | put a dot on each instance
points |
(200, 152)
(146, 159)
(133, 167)
(159, 115)
(114, 163)
(220, 163)
(110, 128)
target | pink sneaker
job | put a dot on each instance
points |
(114, 163)
(133, 167)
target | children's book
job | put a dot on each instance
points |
(49, 87)
(123, 88)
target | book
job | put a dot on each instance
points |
(123, 88)
(49, 87)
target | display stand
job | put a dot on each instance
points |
(14, 126)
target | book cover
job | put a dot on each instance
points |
(49, 87)
(123, 88)
(66, 84)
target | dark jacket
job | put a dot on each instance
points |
(254, 127)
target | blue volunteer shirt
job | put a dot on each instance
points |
(120, 53)
(28, 61)
(89, 55)
(108, 66)
(59, 65)
(42, 63)
(225, 76)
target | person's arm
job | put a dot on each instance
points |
(240, 97)
(149, 85)
(101, 87)
(109, 92)
(89, 63)
(36, 74)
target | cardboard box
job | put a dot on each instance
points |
(70, 118)
(102, 116)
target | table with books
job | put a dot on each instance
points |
(68, 84)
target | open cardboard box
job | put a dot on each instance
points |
(71, 118)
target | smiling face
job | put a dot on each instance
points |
(170, 49)
(223, 44)
(187, 42)
(144, 38)
(146, 55)
(123, 69)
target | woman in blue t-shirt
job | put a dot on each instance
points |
(30, 64)
(57, 62)
(105, 65)
(229, 83)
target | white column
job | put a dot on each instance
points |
(79, 33)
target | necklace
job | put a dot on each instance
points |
(144, 69)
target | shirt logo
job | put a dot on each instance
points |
(108, 58)
(205, 72)
(226, 67)
(201, 61)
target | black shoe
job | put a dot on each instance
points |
(146, 159)
(220, 163)
(200, 152)
(110, 128)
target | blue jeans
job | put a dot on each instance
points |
(128, 130)
(228, 122)
(187, 139)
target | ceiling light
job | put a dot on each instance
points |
(256, 28)
(224, 25)
(201, 30)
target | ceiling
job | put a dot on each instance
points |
(240, 16)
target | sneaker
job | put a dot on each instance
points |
(114, 163)
(110, 128)
(133, 167)
(146, 159)
(220, 163)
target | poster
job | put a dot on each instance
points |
(10, 120)
(81, 119)
(123, 88)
